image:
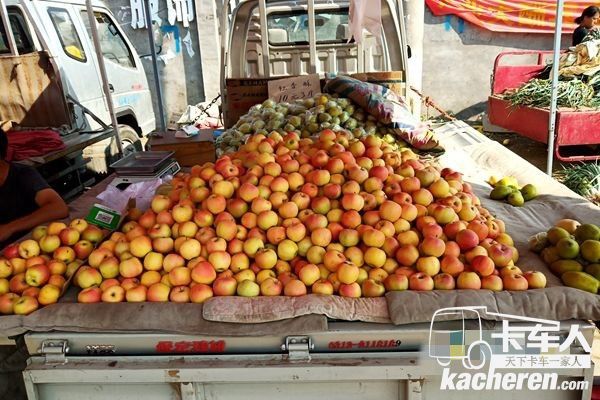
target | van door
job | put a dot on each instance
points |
(75, 57)
(20, 30)
(126, 75)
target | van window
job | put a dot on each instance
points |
(114, 47)
(291, 28)
(69, 39)
(20, 33)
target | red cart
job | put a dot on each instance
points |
(574, 128)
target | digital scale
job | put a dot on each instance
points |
(144, 166)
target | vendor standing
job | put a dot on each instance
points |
(588, 19)
(26, 200)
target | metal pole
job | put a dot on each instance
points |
(159, 94)
(12, 45)
(553, 98)
(404, 43)
(312, 38)
(224, 35)
(103, 75)
(264, 31)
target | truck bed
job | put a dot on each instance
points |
(467, 151)
(130, 351)
(574, 129)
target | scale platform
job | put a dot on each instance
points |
(144, 166)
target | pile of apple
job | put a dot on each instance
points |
(293, 216)
(34, 271)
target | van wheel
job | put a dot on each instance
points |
(129, 140)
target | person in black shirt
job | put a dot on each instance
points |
(26, 200)
(589, 17)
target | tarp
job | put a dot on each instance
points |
(524, 16)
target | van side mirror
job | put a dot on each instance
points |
(408, 51)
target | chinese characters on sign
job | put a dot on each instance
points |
(538, 337)
(544, 337)
(177, 11)
(191, 346)
(549, 361)
(296, 88)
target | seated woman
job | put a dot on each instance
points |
(588, 19)
(26, 200)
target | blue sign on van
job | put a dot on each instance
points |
(128, 99)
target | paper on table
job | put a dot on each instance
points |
(191, 130)
(186, 132)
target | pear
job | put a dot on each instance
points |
(567, 248)
(516, 199)
(556, 233)
(581, 280)
(587, 232)
(594, 270)
(509, 181)
(500, 192)
(561, 266)
(570, 225)
(550, 254)
(529, 192)
(590, 251)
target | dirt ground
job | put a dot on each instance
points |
(532, 151)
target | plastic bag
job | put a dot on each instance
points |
(388, 108)
(365, 14)
(118, 199)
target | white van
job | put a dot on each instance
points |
(61, 27)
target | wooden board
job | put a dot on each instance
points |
(195, 150)
(31, 94)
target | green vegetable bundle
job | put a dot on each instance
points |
(583, 179)
(537, 93)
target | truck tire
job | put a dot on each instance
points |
(104, 153)
(130, 141)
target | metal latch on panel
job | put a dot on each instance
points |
(298, 347)
(55, 351)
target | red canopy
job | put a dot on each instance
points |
(525, 16)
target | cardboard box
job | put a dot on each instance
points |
(393, 80)
(241, 95)
(195, 150)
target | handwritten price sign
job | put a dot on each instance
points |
(297, 88)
